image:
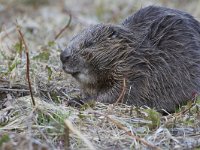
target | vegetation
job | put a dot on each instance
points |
(32, 34)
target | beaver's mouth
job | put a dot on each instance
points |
(75, 74)
(72, 72)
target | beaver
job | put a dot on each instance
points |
(155, 52)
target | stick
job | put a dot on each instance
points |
(127, 131)
(121, 96)
(14, 90)
(65, 27)
(121, 126)
(27, 63)
(122, 93)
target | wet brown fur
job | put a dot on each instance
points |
(156, 50)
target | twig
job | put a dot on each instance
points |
(27, 63)
(121, 96)
(172, 118)
(65, 27)
(13, 90)
(20, 47)
(121, 126)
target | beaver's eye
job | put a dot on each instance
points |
(113, 35)
(88, 43)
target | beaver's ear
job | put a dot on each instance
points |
(116, 31)
(120, 32)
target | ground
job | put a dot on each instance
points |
(40, 29)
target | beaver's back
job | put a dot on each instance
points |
(168, 57)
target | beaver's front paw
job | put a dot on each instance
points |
(75, 102)
(81, 102)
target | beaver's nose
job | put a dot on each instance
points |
(64, 56)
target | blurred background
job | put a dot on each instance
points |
(48, 16)
(42, 20)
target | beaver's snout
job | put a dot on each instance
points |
(64, 56)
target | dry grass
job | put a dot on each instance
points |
(99, 127)
(51, 124)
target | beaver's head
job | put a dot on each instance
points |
(95, 51)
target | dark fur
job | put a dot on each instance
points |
(156, 51)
